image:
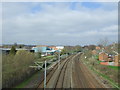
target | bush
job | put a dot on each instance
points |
(13, 50)
(16, 68)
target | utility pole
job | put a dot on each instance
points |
(45, 76)
(59, 59)
(38, 66)
(66, 55)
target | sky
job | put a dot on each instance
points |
(59, 23)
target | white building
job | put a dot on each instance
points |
(60, 47)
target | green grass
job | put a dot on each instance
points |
(107, 78)
(48, 57)
(98, 62)
(24, 83)
(96, 57)
(114, 67)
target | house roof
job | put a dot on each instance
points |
(103, 52)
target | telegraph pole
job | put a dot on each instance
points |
(59, 59)
(66, 55)
(45, 76)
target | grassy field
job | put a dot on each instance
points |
(114, 67)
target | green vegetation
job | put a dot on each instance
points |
(13, 50)
(16, 67)
(96, 57)
(34, 76)
(108, 72)
(114, 67)
(27, 81)
(48, 57)
(106, 77)
(39, 55)
(71, 49)
(42, 59)
(98, 62)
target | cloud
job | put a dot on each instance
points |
(57, 23)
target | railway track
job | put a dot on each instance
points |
(63, 80)
(52, 71)
(72, 73)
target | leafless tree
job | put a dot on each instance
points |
(104, 42)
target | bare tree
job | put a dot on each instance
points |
(104, 41)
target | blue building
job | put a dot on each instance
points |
(43, 49)
(39, 49)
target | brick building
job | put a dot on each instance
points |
(103, 56)
(97, 48)
(117, 60)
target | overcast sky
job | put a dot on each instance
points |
(60, 23)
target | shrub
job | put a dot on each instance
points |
(13, 50)
(16, 68)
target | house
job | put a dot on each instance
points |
(103, 56)
(110, 58)
(97, 48)
(52, 47)
(60, 47)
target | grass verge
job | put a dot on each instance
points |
(48, 57)
(114, 67)
(24, 83)
(115, 85)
